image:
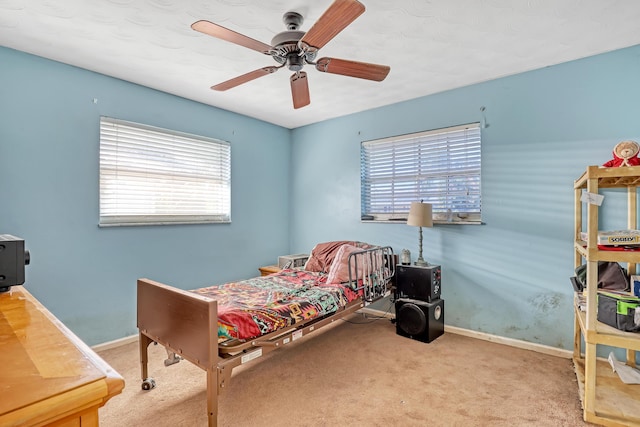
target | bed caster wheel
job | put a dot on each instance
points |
(148, 384)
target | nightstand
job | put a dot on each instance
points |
(269, 269)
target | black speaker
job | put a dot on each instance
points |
(420, 320)
(13, 258)
(422, 283)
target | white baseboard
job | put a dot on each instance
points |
(540, 348)
(115, 343)
(526, 345)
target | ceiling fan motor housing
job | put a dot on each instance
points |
(286, 50)
(286, 39)
(285, 45)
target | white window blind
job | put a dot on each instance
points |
(150, 175)
(441, 167)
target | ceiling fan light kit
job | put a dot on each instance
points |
(295, 49)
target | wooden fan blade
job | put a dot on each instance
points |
(300, 90)
(236, 81)
(335, 19)
(223, 33)
(362, 70)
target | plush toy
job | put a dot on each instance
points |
(625, 153)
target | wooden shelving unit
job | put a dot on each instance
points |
(606, 400)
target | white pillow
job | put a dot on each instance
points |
(339, 271)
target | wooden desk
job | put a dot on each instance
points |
(48, 376)
(268, 269)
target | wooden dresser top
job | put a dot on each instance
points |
(43, 362)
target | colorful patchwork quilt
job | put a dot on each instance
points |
(258, 306)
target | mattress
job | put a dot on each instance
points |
(261, 305)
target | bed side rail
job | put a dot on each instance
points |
(371, 271)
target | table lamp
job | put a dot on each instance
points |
(420, 216)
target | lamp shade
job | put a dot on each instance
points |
(420, 215)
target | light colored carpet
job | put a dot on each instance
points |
(357, 373)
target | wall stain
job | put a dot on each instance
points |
(546, 303)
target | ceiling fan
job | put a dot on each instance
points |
(295, 49)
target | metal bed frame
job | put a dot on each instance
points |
(185, 323)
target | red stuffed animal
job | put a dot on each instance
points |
(625, 153)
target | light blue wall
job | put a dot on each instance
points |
(85, 275)
(510, 276)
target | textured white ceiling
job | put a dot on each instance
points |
(431, 45)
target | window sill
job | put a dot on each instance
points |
(163, 223)
(435, 222)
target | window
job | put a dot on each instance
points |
(441, 167)
(157, 176)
